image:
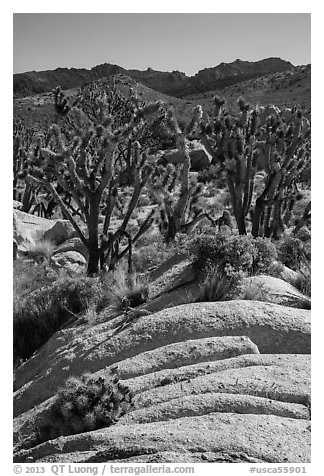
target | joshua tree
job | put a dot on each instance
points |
(25, 143)
(179, 210)
(82, 157)
(23, 139)
(279, 150)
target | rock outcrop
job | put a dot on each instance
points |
(211, 381)
(28, 229)
(209, 438)
(188, 414)
(175, 283)
(273, 328)
(72, 244)
(71, 260)
(60, 232)
(200, 158)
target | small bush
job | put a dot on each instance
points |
(214, 173)
(42, 250)
(86, 404)
(265, 255)
(217, 285)
(276, 269)
(151, 253)
(303, 283)
(292, 252)
(29, 275)
(304, 234)
(123, 291)
(255, 292)
(40, 313)
(231, 252)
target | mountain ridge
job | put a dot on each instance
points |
(284, 89)
(175, 83)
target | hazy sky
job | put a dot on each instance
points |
(163, 41)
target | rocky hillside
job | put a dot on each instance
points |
(197, 370)
(172, 83)
(283, 89)
(226, 74)
(37, 111)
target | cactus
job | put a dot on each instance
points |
(82, 157)
(85, 403)
(280, 150)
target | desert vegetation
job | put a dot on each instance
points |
(96, 165)
(85, 404)
(143, 232)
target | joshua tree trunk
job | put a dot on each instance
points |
(236, 197)
(93, 244)
(93, 263)
(257, 217)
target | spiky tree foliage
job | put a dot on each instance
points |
(86, 403)
(281, 151)
(34, 199)
(23, 139)
(82, 157)
(305, 219)
(179, 192)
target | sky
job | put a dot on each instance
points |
(185, 42)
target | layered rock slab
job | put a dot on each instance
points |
(250, 384)
(185, 353)
(202, 404)
(273, 328)
(268, 438)
(273, 382)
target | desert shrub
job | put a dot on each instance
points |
(292, 252)
(40, 313)
(151, 237)
(214, 173)
(265, 255)
(275, 269)
(254, 292)
(217, 284)
(303, 282)
(29, 275)
(300, 204)
(303, 234)
(151, 252)
(85, 403)
(123, 291)
(42, 250)
(231, 252)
